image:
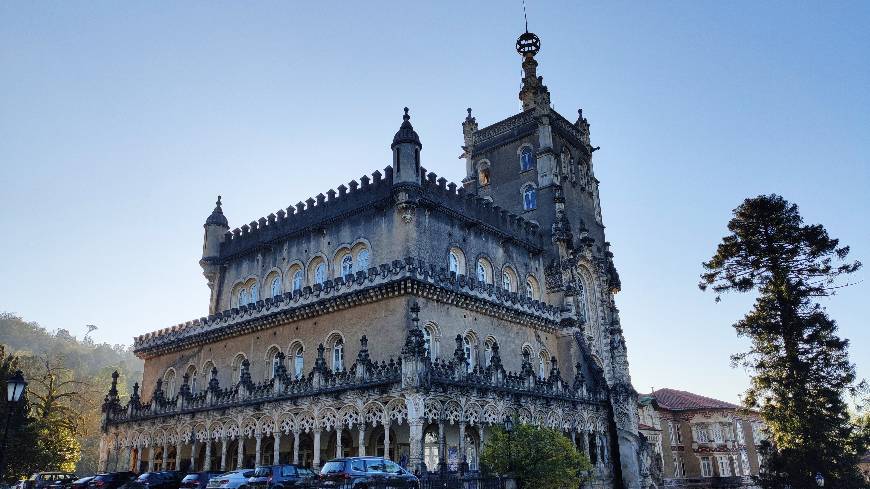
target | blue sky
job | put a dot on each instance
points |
(121, 122)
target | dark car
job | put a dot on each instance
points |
(80, 483)
(112, 480)
(44, 480)
(282, 476)
(157, 480)
(365, 473)
(198, 480)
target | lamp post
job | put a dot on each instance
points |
(509, 429)
(14, 388)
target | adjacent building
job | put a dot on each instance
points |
(701, 442)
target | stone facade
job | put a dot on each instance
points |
(402, 315)
(699, 442)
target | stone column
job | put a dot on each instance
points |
(415, 439)
(258, 453)
(206, 462)
(463, 460)
(296, 447)
(442, 447)
(338, 432)
(127, 455)
(316, 463)
(178, 456)
(150, 458)
(166, 456)
(362, 440)
(387, 440)
(240, 453)
(480, 428)
(276, 455)
(192, 455)
(223, 453)
(105, 454)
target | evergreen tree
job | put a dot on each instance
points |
(540, 458)
(800, 368)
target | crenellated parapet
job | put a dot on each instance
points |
(367, 192)
(401, 277)
(457, 202)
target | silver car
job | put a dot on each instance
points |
(236, 479)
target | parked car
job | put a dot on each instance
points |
(365, 472)
(80, 483)
(156, 480)
(283, 476)
(236, 479)
(44, 480)
(198, 480)
(112, 480)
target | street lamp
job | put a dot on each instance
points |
(509, 429)
(14, 388)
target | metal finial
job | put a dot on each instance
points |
(469, 111)
(525, 18)
(218, 203)
(406, 116)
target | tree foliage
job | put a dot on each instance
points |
(67, 380)
(800, 368)
(541, 458)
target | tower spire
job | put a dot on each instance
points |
(533, 93)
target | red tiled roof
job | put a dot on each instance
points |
(675, 400)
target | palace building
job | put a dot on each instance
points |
(402, 315)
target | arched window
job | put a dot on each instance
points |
(430, 450)
(272, 362)
(206, 373)
(243, 297)
(530, 197)
(362, 260)
(582, 301)
(430, 336)
(427, 341)
(276, 286)
(169, 384)
(320, 273)
(237, 368)
(456, 261)
(296, 352)
(346, 265)
(297, 280)
(192, 378)
(543, 358)
(484, 271)
(508, 279)
(338, 355)
(483, 174)
(468, 343)
(255, 293)
(532, 290)
(487, 352)
(527, 159)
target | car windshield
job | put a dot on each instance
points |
(190, 477)
(332, 468)
(262, 471)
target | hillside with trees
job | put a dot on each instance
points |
(58, 426)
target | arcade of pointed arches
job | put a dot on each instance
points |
(295, 434)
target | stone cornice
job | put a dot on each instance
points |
(408, 277)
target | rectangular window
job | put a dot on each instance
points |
(679, 466)
(706, 467)
(717, 433)
(724, 468)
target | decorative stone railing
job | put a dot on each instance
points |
(414, 369)
(504, 126)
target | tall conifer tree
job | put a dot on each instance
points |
(801, 374)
